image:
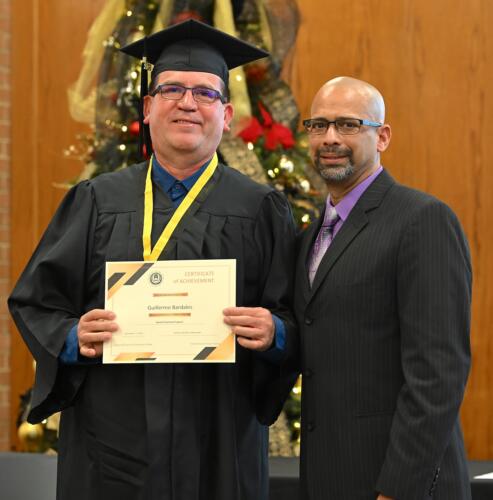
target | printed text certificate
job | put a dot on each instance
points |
(170, 311)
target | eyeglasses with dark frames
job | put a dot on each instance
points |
(344, 126)
(176, 92)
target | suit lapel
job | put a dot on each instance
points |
(307, 241)
(353, 225)
(356, 221)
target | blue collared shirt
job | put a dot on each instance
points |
(175, 189)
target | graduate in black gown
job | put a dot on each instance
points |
(164, 431)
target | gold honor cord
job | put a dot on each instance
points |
(154, 253)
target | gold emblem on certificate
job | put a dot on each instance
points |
(170, 311)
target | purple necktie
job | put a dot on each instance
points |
(323, 241)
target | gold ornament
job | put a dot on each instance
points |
(31, 436)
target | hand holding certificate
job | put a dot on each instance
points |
(170, 311)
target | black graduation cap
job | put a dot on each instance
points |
(190, 46)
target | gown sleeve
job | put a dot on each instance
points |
(275, 239)
(49, 298)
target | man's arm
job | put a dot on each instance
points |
(49, 297)
(274, 239)
(434, 293)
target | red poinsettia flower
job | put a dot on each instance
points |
(252, 131)
(274, 133)
(278, 134)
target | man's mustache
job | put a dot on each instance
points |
(334, 150)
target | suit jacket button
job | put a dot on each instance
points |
(307, 373)
(308, 321)
(310, 426)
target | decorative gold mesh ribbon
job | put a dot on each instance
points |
(264, 25)
(162, 19)
(224, 21)
(82, 94)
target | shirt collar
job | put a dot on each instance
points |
(345, 206)
(164, 179)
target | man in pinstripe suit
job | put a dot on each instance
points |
(383, 302)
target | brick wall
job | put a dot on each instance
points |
(5, 30)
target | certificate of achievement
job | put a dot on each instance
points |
(170, 311)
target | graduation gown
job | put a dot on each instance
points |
(167, 431)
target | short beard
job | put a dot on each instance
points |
(333, 173)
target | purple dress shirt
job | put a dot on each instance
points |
(344, 207)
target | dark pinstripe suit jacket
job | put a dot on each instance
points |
(385, 351)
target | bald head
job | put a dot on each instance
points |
(345, 154)
(364, 96)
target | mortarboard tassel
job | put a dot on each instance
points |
(145, 144)
(143, 93)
